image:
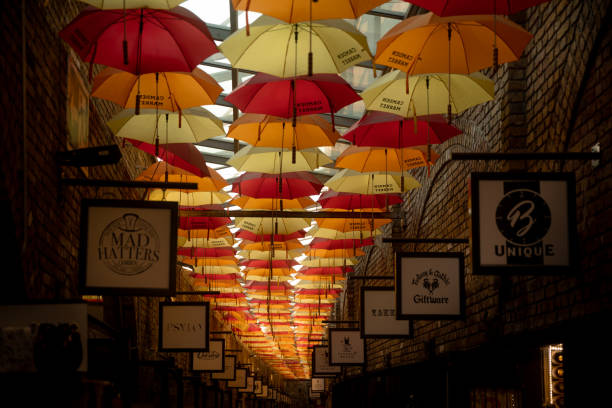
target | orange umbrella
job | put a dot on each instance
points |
(250, 203)
(351, 224)
(335, 253)
(157, 172)
(171, 91)
(364, 159)
(267, 245)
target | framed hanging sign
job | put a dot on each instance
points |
(429, 285)
(264, 391)
(346, 347)
(183, 326)
(523, 223)
(314, 395)
(128, 247)
(317, 384)
(258, 387)
(378, 319)
(213, 360)
(229, 369)
(250, 385)
(320, 363)
(240, 379)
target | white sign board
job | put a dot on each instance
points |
(346, 347)
(378, 317)
(183, 326)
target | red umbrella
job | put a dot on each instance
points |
(206, 252)
(264, 285)
(277, 263)
(215, 276)
(318, 291)
(190, 223)
(322, 243)
(336, 270)
(250, 236)
(462, 7)
(290, 185)
(384, 129)
(352, 201)
(182, 155)
(140, 40)
(292, 97)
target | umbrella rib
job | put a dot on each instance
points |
(467, 63)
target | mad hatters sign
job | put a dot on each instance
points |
(429, 285)
(346, 347)
(128, 247)
(523, 223)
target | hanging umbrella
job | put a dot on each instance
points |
(188, 198)
(133, 4)
(417, 44)
(170, 91)
(180, 155)
(364, 159)
(388, 93)
(250, 203)
(271, 131)
(258, 237)
(352, 201)
(326, 271)
(259, 225)
(157, 172)
(197, 252)
(322, 243)
(276, 254)
(290, 185)
(384, 129)
(140, 40)
(328, 233)
(268, 160)
(334, 253)
(268, 245)
(271, 47)
(188, 223)
(210, 262)
(328, 262)
(150, 126)
(219, 237)
(258, 263)
(292, 97)
(352, 224)
(380, 182)
(461, 7)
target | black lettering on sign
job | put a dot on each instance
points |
(185, 327)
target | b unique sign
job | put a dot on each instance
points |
(523, 223)
(346, 347)
(229, 370)
(183, 326)
(128, 247)
(429, 285)
(213, 360)
(320, 363)
(378, 319)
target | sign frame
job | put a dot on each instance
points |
(243, 380)
(258, 380)
(107, 281)
(478, 268)
(211, 345)
(429, 316)
(188, 306)
(318, 382)
(354, 333)
(363, 327)
(227, 358)
(315, 366)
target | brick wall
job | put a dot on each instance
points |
(557, 98)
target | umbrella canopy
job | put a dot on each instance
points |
(258, 237)
(250, 203)
(351, 181)
(417, 44)
(140, 40)
(352, 224)
(259, 225)
(351, 201)
(188, 198)
(276, 254)
(322, 243)
(268, 160)
(290, 185)
(325, 271)
(196, 252)
(157, 172)
(181, 155)
(384, 129)
(271, 131)
(364, 159)
(334, 253)
(271, 47)
(258, 263)
(461, 7)
(388, 93)
(193, 125)
(171, 91)
(294, 11)
(132, 4)
(328, 262)
(328, 233)
(296, 96)
(199, 223)
(268, 245)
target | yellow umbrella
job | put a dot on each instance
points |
(271, 131)
(267, 245)
(215, 269)
(209, 262)
(310, 285)
(322, 279)
(272, 47)
(328, 233)
(366, 158)
(276, 254)
(283, 226)
(170, 91)
(351, 181)
(334, 253)
(328, 262)
(268, 160)
(205, 238)
(188, 198)
(388, 93)
(352, 224)
(250, 203)
(192, 126)
(157, 172)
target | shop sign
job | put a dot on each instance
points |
(346, 347)
(240, 380)
(128, 247)
(320, 363)
(229, 370)
(258, 387)
(250, 385)
(430, 285)
(183, 326)
(317, 384)
(378, 316)
(213, 360)
(523, 223)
